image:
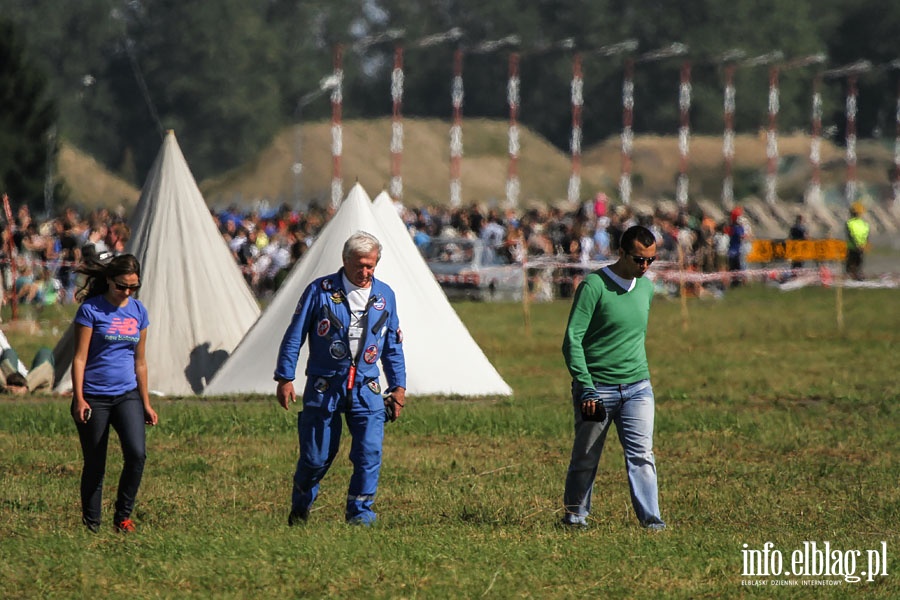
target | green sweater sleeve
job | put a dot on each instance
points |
(584, 303)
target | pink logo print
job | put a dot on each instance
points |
(121, 326)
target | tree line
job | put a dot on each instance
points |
(110, 76)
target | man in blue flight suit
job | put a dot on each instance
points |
(350, 321)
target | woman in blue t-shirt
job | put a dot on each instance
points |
(109, 383)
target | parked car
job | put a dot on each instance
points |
(468, 269)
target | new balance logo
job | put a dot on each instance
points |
(120, 326)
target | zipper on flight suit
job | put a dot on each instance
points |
(354, 360)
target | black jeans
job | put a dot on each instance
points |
(126, 415)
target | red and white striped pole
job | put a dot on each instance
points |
(574, 193)
(851, 138)
(896, 182)
(456, 139)
(512, 94)
(396, 187)
(772, 139)
(815, 144)
(11, 254)
(337, 191)
(627, 130)
(728, 138)
(684, 133)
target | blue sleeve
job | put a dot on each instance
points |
(145, 316)
(84, 315)
(392, 359)
(289, 352)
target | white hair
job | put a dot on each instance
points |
(361, 243)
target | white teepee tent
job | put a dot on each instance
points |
(441, 357)
(199, 304)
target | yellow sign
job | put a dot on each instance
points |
(766, 251)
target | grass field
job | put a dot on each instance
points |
(772, 426)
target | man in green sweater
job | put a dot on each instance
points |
(604, 352)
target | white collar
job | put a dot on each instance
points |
(625, 284)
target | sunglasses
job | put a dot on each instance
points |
(122, 287)
(640, 260)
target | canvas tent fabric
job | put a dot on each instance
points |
(198, 302)
(441, 356)
(251, 366)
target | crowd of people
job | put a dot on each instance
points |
(39, 259)
(267, 244)
(71, 259)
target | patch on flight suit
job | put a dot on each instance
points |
(337, 349)
(371, 354)
(374, 386)
(379, 304)
(323, 327)
(326, 284)
(337, 298)
(321, 385)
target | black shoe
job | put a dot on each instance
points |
(298, 517)
(92, 527)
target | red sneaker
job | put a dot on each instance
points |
(126, 526)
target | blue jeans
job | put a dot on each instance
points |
(319, 429)
(631, 407)
(126, 415)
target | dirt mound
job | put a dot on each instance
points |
(297, 166)
(90, 185)
(543, 169)
(656, 161)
